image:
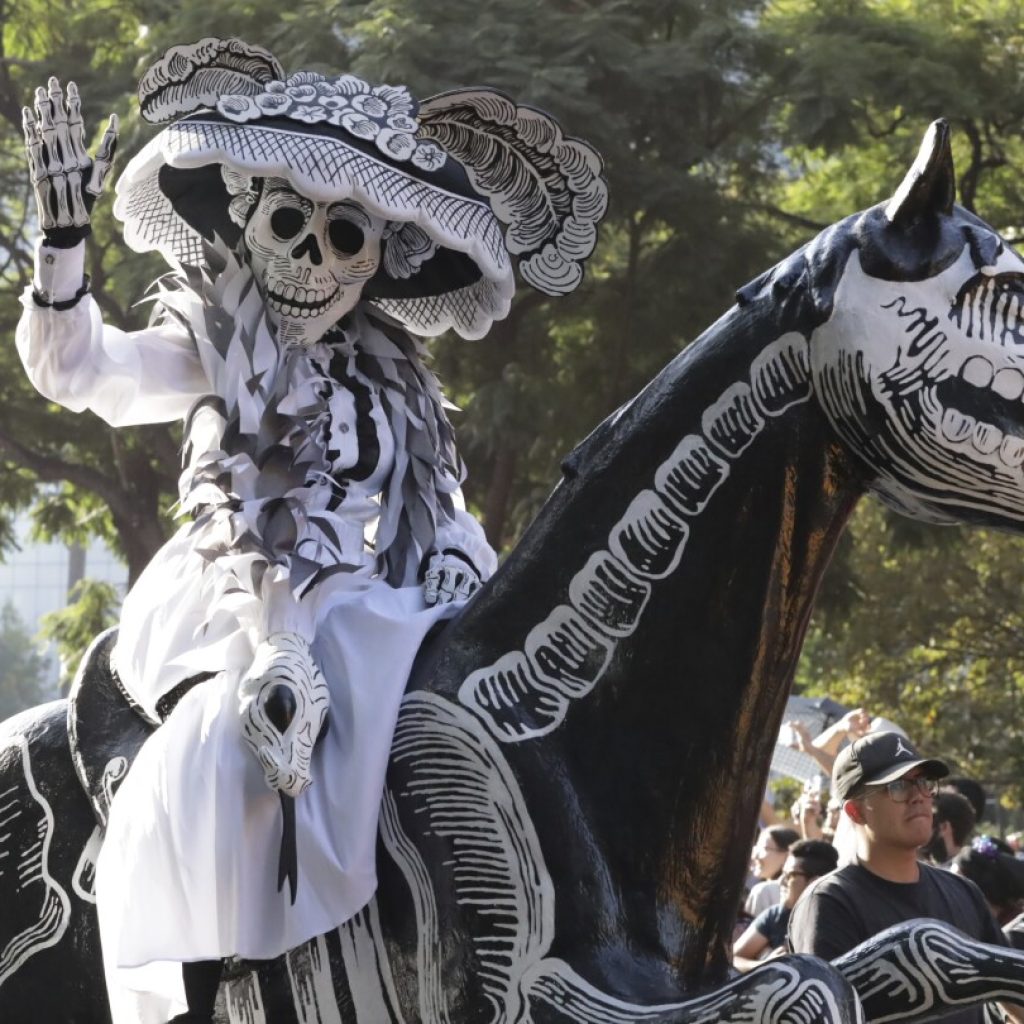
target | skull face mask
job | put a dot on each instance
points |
(311, 259)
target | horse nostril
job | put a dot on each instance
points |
(280, 706)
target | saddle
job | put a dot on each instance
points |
(106, 727)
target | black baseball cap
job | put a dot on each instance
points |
(878, 758)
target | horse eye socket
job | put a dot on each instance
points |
(346, 237)
(287, 221)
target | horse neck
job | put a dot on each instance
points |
(641, 639)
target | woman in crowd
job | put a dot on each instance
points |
(990, 864)
(766, 862)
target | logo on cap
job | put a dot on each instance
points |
(900, 749)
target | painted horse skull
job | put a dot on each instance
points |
(310, 258)
(283, 700)
(921, 365)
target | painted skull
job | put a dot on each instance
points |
(283, 700)
(311, 259)
(920, 367)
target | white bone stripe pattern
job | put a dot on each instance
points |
(463, 791)
(774, 993)
(938, 967)
(284, 659)
(526, 693)
(26, 834)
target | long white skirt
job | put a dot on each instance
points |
(188, 867)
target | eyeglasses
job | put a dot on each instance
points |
(900, 790)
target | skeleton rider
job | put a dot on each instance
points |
(314, 225)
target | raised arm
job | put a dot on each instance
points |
(70, 355)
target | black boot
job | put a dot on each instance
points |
(201, 981)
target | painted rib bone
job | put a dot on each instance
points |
(526, 693)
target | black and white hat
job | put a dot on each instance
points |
(878, 758)
(467, 180)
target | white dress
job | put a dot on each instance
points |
(281, 456)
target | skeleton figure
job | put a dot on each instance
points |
(311, 222)
(311, 259)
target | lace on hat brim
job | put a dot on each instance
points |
(324, 169)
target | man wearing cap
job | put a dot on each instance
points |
(886, 788)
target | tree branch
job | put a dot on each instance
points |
(785, 215)
(52, 470)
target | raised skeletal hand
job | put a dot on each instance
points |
(66, 180)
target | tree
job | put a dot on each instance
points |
(22, 667)
(675, 97)
(929, 633)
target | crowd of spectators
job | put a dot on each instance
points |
(830, 827)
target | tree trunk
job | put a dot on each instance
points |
(499, 490)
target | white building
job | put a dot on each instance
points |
(37, 579)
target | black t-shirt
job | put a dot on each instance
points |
(771, 923)
(849, 906)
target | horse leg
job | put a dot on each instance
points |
(789, 990)
(50, 963)
(923, 969)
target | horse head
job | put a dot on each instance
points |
(920, 366)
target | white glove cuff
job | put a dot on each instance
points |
(59, 273)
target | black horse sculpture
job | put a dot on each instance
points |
(581, 755)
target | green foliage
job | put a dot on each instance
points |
(935, 641)
(22, 667)
(730, 132)
(92, 608)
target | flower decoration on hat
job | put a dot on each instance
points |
(382, 114)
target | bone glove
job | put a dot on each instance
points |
(65, 179)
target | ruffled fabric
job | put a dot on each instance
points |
(284, 519)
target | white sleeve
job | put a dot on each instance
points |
(464, 534)
(74, 359)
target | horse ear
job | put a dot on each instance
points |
(930, 185)
(545, 187)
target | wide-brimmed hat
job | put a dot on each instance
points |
(467, 180)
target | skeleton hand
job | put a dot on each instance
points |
(450, 576)
(283, 700)
(65, 179)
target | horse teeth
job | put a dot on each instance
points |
(1011, 451)
(957, 427)
(1009, 383)
(289, 292)
(977, 371)
(986, 438)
